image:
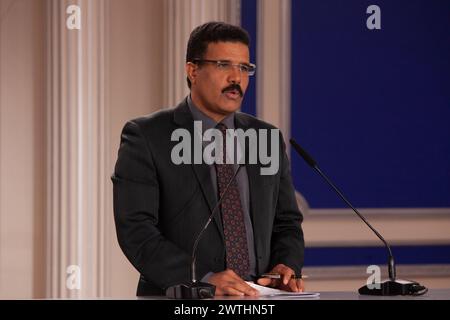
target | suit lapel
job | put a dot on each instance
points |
(184, 119)
(255, 194)
(203, 175)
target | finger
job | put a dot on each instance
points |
(264, 281)
(245, 288)
(292, 285)
(230, 291)
(300, 285)
(287, 274)
(238, 283)
(268, 282)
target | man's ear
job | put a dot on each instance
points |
(191, 71)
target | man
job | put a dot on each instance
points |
(160, 207)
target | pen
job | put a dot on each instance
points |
(278, 276)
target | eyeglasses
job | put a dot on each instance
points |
(227, 66)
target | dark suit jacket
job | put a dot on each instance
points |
(160, 207)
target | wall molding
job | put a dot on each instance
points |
(436, 276)
(355, 272)
(399, 226)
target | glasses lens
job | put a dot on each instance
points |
(248, 69)
(251, 70)
(224, 65)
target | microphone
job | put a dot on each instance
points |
(195, 289)
(389, 287)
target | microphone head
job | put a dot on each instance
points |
(309, 160)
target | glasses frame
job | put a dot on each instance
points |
(251, 67)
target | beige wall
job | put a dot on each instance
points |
(135, 89)
(22, 139)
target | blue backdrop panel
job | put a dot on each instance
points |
(373, 106)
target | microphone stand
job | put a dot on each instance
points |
(391, 287)
(195, 289)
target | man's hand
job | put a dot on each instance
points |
(228, 283)
(285, 282)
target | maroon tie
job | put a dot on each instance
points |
(232, 216)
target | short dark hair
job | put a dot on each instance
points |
(209, 32)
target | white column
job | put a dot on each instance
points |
(181, 17)
(273, 98)
(76, 148)
(273, 92)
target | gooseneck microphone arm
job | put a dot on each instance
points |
(310, 161)
(196, 289)
(391, 264)
(211, 216)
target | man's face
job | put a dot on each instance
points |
(212, 87)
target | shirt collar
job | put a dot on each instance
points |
(207, 122)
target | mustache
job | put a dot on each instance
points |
(233, 87)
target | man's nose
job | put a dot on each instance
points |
(235, 75)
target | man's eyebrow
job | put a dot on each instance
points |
(223, 60)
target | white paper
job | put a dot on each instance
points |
(271, 292)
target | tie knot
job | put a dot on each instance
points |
(222, 127)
